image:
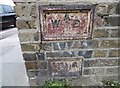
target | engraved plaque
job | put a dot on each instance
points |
(66, 22)
(65, 67)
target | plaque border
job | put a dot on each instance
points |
(89, 7)
(50, 60)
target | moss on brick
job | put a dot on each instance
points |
(100, 53)
(31, 65)
(114, 53)
(30, 47)
(100, 33)
(109, 44)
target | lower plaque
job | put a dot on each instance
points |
(65, 67)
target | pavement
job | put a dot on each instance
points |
(12, 66)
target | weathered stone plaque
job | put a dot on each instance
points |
(66, 22)
(65, 67)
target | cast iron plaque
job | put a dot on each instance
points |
(66, 21)
(65, 67)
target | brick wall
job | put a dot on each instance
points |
(101, 53)
(28, 33)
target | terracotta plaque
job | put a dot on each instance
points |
(66, 22)
(65, 67)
